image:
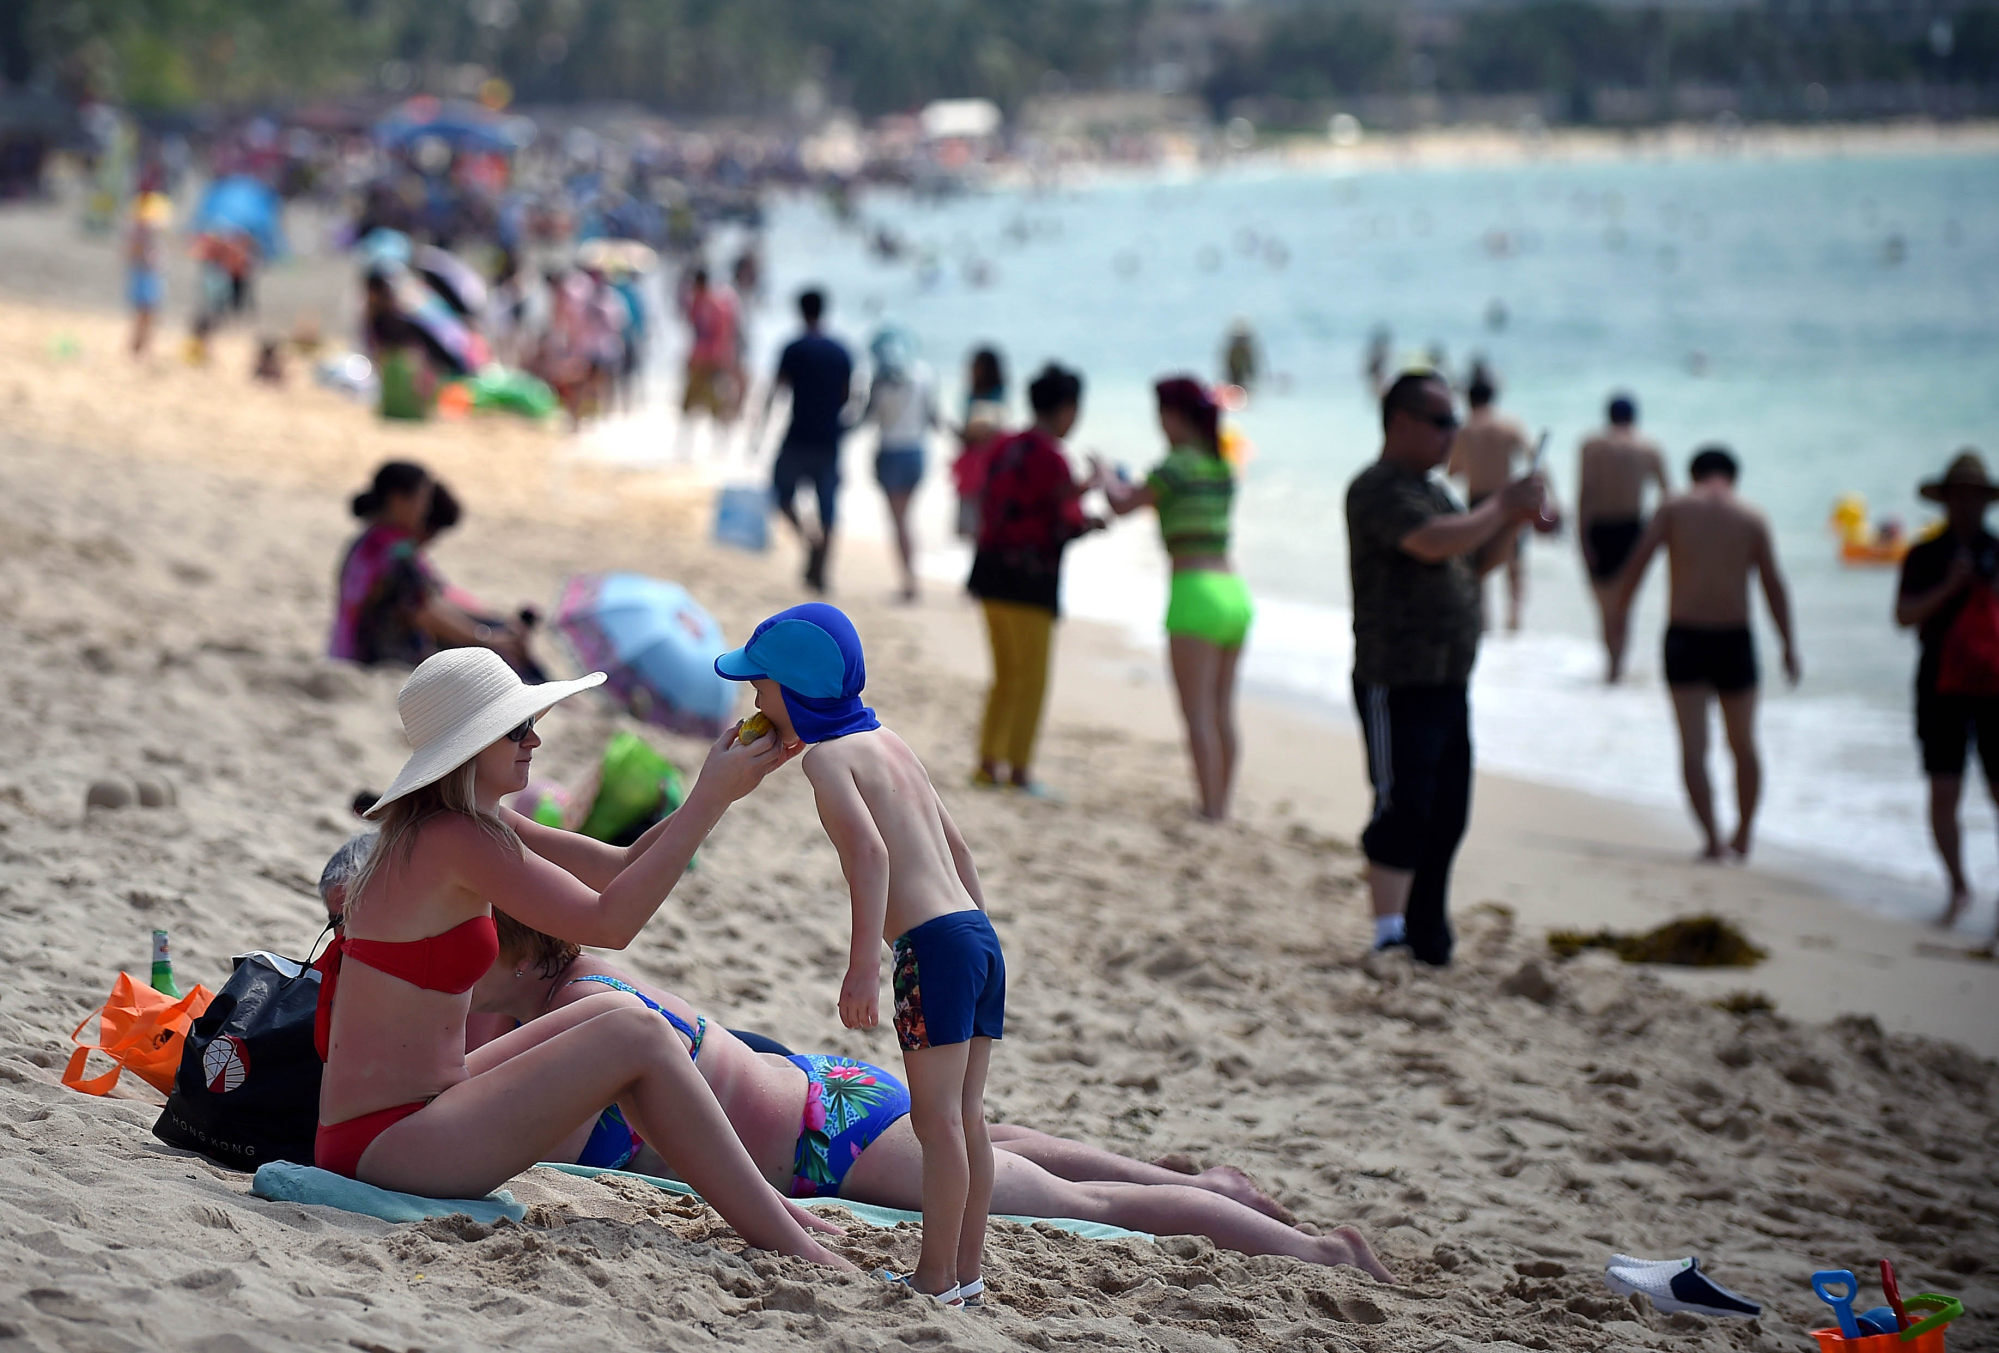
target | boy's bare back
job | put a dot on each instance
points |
(877, 804)
(1615, 467)
(1715, 543)
(1484, 451)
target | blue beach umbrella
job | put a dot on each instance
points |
(656, 643)
(240, 202)
(461, 125)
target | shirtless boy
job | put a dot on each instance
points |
(1483, 456)
(1617, 463)
(912, 884)
(1713, 541)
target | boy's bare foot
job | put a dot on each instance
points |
(1959, 900)
(1714, 854)
(1346, 1245)
(1230, 1182)
(1739, 846)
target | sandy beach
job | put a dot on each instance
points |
(167, 543)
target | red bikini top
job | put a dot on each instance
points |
(451, 962)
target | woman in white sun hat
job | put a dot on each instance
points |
(402, 1104)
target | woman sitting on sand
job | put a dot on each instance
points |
(1209, 612)
(391, 604)
(402, 1105)
(819, 1125)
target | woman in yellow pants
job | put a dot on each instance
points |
(1031, 509)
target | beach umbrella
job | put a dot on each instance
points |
(461, 125)
(451, 277)
(382, 249)
(240, 202)
(656, 643)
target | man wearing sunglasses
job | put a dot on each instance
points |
(1417, 558)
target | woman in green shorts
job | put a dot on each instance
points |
(1209, 611)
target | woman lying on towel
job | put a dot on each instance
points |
(818, 1125)
(402, 1104)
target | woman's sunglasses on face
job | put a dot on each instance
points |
(519, 732)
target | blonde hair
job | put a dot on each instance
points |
(406, 817)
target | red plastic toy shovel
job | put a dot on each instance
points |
(1894, 1294)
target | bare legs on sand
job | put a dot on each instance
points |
(1945, 793)
(529, 1089)
(1614, 628)
(1081, 1162)
(1516, 587)
(1205, 677)
(947, 1112)
(905, 542)
(1175, 1205)
(1738, 717)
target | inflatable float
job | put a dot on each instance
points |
(1862, 541)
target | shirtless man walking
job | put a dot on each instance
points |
(1713, 541)
(1482, 457)
(1617, 463)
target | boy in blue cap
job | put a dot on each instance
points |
(913, 884)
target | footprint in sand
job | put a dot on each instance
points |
(1349, 1310)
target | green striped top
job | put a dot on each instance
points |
(1193, 492)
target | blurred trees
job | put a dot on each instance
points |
(883, 55)
(1320, 49)
(708, 55)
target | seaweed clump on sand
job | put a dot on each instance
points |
(1745, 1004)
(1690, 942)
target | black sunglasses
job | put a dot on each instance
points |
(520, 731)
(1443, 422)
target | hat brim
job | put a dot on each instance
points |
(476, 734)
(1940, 490)
(737, 665)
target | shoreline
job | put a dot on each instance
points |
(1479, 146)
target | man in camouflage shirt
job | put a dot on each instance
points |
(1417, 558)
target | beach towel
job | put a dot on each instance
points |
(282, 1181)
(868, 1212)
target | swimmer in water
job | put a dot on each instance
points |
(1484, 457)
(1616, 465)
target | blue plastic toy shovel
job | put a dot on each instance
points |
(1823, 1284)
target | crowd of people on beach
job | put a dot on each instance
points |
(463, 917)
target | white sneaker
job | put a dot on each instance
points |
(1675, 1285)
(950, 1296)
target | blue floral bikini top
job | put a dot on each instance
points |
(693, 1035)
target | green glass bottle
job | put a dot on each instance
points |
(163, 966)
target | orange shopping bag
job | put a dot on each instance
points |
(140, 1030)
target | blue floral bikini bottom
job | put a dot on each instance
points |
(848, 1104)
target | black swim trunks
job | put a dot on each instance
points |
(1724, 659)
(1611, 541)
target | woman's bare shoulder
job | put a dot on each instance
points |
(457, 844)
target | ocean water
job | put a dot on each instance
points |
(1834, 320)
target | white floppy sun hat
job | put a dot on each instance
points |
(458, 703)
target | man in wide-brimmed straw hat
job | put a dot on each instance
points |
(1940, 579)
